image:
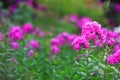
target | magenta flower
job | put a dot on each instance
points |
(27, 27)
(57, 42)
(111, 41)
(33, 44)
(15, 45)
(31, 53)
(72, 37)
(82, 21)
(1, 35)
(79, 43)
(55, 49)
(111, 37)
(16, 33)
(66, 37)
(112, 34)
(92, 30)
(13, 7)
(100, 41)
(117, 47)
(73, 18)
(107, 37)
(117, 7)
(40, 34)
(114, 58)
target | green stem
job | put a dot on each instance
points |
(87, 52)
(105, 71)
(118, 73)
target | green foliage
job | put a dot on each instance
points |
(69, 64)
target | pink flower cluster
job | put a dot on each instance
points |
(15, 45)
(82, 21)
(33, 44)
(17, 33)
(100, 36)
(114, 58)
(59, 40)
(80, 42)
(92, 30)
(31, 53)
(79, 21)
(109, 37)
(38, 32)
(112, 39)
(27, 28)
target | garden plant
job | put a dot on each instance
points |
(59, 40)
